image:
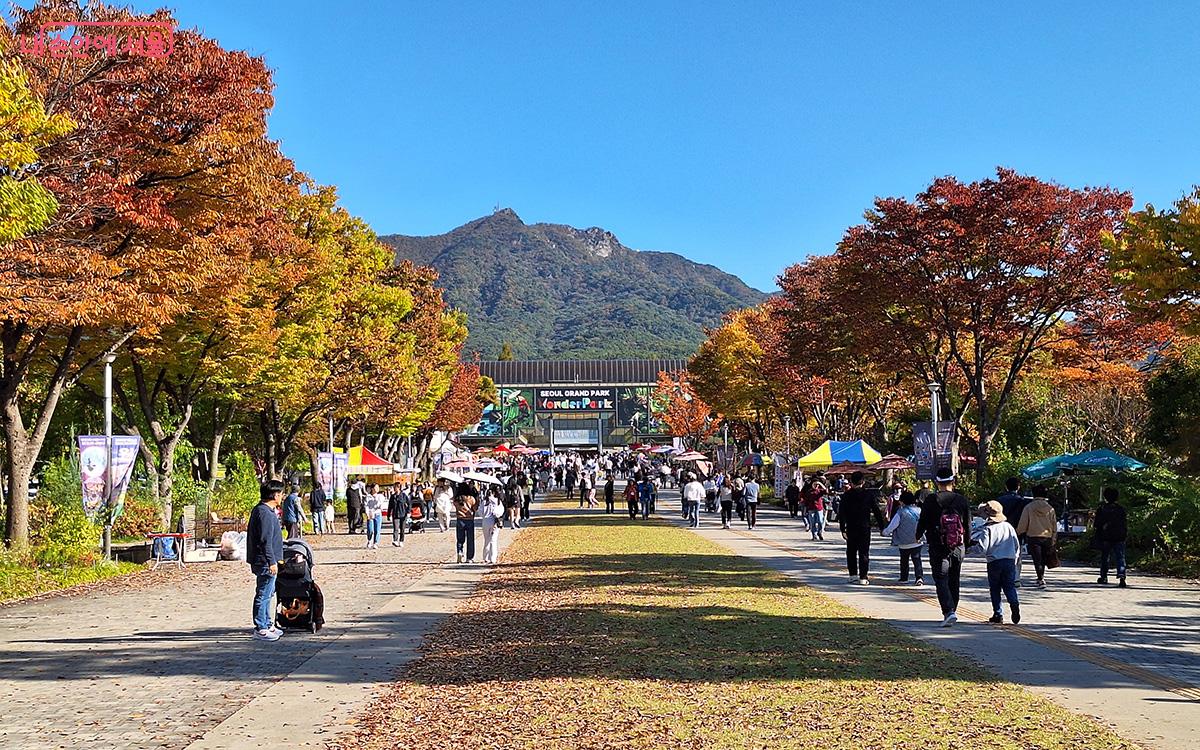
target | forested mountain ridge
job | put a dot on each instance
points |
(555, 292)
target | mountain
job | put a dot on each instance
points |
(555, 292)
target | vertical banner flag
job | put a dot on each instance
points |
(933, 447)
(325, 473)
(124, 455)
(93, 463)
(341, 471)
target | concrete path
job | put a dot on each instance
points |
(173, 664)
(1130, 658)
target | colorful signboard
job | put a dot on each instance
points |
(933, 449)
(514, 414)
(559, 400)
(93, 467)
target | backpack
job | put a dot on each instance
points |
(951, 525)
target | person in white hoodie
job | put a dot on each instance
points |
(997, 541)
(443, 503)
(491, 512)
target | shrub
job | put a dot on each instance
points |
(60, 532)
(238, 494)
(141, 516)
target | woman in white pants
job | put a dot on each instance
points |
(443, 504)
(491, 511)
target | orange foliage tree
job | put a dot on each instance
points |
(686, 415)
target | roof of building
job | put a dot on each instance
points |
(601, 371)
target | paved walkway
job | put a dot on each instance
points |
(1130, 657)
(173, 664)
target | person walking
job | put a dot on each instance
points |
(608, 493)
(726, 500)
(528, 489)
(1112, 529)
(399, 506)
(737, 493)
(354, 506)
(491, 513)
(903, 529)
(264, 549)
(1038, 526)
(631, 496)
(512, 503)
(997, 541)
(466, 504)
(750, 498)
(693, 495)
(316, 503)
(443, 504)
(859, 507)
(373, 504)
(813, 498)
(945, 518)
(1013, 501)
(792, 497)
(293, 514)
(646, 494)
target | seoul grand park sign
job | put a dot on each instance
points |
(575, 399)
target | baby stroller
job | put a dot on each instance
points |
(416, 518)
(301, 604)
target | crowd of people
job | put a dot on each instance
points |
(934, 527)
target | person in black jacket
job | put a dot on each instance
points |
(858, 508)
(354, 506)
(945, 551)
(1112, 528)
(316, 503)
(264, 548)
(792, 496)
(399, 506)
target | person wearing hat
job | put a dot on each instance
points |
(945, 520)
(997, 541)
(1038, 525)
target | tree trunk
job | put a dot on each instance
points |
(18, 465)
(220, 427)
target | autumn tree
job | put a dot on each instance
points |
(1156, 256)
(986, 272)
(685, 414)
(159, 154)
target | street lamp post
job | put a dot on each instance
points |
(108, 470)
(934, 403)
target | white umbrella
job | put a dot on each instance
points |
(479, 476)
(450, 476)
(488, 463)
(690, 456)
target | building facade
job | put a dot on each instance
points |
(573, 404)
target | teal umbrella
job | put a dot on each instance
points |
(1102, 459)
(1045, 468)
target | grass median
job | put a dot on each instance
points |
(600, 632)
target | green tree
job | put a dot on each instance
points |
(1174, 420)
(1157, 256)
(506, 352)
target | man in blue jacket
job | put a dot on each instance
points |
(264, 548)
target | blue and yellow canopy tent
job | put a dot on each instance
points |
(833, 452)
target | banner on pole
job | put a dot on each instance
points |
(94, 460)
(124, 455)
(341, 473)
(93, 463)
(325, 473)
(933, 447)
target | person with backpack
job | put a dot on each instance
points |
(903, 530)
(608, 493)
(945, 518)
(1112, 529)
(466, 505)
(859, 506)
(997, 541)
(1038, 526)
(491, 513)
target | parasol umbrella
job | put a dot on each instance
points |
(459, 464)
(892, 461)
(846, 467)
(502, 448)
(754, 459)
(662, 449)
(450, 476)
(479, 476)
(488, 463)
(690, 456)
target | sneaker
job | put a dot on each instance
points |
(1102, 579)
(266, 635)
(996, 619)
(919, 582)
(277, 630)
(460, 558)
(396, 544)
(1121, 583)
(1016, 614)
(902, 580)
(863, 582)
(1041, 584)
(950, 619)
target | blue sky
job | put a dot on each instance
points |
(747, 135)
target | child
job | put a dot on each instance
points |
(998, 541)
(903, 529)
